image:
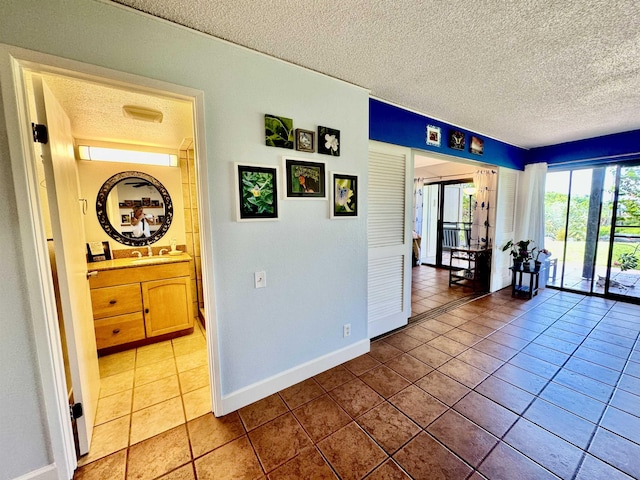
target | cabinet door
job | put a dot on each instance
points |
(167, 305)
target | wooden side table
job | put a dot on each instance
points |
(520, 290)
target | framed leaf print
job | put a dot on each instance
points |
(257, 192)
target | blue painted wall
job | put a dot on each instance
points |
(617, 147)
(395, 125)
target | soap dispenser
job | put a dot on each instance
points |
(174, 251)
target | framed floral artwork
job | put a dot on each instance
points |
(344, 195)
(305, 140)
(278, 131)
(329, 141)
(433, 135)
(456, 140)
(257, 192)
(476, 145)
(304, 178)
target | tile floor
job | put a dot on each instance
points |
(430, 289)
(499, 388)
(149, 390)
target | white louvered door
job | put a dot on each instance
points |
(390, 209)
(505, 226)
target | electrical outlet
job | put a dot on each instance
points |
(346, 330)
(260, 279)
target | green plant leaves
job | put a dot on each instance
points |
(278, 131)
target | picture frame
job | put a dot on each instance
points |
(344, 195)
(155, 203)
(98, 251)
(126, 219)
(146, 201)
(329, 141)
(456, 140)
(433, 135)
(257, 192)
(278, 131)
(476, 145)
(305, 140)
(304, 179)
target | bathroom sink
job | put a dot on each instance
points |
(139, 261)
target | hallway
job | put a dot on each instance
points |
(497, 388)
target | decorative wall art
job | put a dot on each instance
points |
(305, 140)
(456, 140)
(126, 219)
(476, 145)
(433, 135)
(278, 131)
(257, 190)
(344, 196)
(329, 141)
(304, 179)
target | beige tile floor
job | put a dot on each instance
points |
(149, 390)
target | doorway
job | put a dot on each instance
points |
(32, 182)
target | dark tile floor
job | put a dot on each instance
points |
(499, 388)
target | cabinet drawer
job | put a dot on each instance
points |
(119, 330)
(111, 301)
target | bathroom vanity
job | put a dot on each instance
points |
(140, 300)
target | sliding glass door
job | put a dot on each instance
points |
(447, 220)
(592, 228)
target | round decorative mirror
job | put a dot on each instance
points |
(134, 208)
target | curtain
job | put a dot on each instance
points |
(418, 192)
(482, 231)
(530, 204)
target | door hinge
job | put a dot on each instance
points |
(40, 133)
(75, 410)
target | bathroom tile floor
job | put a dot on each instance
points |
(499, 388)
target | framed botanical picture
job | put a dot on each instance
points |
(329, 141)
(344, 195)
(278, 131)
(476, 145)
(433, 135)
(126, 219)
(456, 140)
(303, 178)
(305, 140)
(257, 191)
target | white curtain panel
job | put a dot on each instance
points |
(418, 201)
(485, 182)
(530, 204)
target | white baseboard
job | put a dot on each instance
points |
(50, 472)
(269, 386)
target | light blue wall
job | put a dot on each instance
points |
(316, 267)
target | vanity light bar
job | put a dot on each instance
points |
(102, 154)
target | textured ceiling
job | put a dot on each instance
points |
(530, 73)
(95, 112)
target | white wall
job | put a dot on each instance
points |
(92, 176)
(316, 268)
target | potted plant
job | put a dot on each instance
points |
(520, 252)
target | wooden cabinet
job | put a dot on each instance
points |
(137, 303)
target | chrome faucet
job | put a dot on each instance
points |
(162, 250)
(137, 253)
(149, 251)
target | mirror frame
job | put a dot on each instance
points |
(107, 226)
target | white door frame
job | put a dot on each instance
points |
(13, 62)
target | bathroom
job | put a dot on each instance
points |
(134, 378)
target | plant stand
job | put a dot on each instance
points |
(520, 290)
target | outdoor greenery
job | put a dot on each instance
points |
(624, 249)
